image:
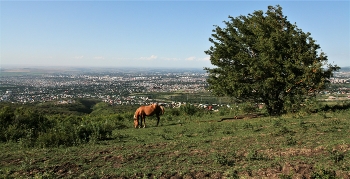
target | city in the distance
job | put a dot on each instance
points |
(119, 86)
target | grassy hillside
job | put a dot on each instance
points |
(191, 146)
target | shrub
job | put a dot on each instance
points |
(119, 117)
(174, 112)
(62, 134)
(29, 127)
(70, 134)
(249, 108)
(6, 116)
(188, 109)
(56, 138)
(128, 115)
(22, 122)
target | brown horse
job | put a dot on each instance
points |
(144, 111)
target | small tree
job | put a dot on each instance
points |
(266, 59)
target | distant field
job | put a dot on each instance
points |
(33, 71)
(21, 72)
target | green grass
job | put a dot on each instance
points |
(198, 146)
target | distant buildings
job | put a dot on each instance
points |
(116, 88)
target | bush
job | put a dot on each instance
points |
(70, 134)
(249, 108)
(128, 115)
(174, 112)
(22, 122)
(31, 128)
(188, 109)
(56, 138)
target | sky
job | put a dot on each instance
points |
(148, 33)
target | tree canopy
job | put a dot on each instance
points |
(264, 58)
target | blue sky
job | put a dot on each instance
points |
(148, 33)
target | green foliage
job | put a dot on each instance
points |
(225, 160)
(290, 140)
(102, 108)
(248, 125)
(80, 107)
(283, 130)
(283, 176)
(265, 58)
(188, 109)
(337, 156)
(249, 108)
(323, 174)
(74, 146)
(174, 112)
(31, 128)
(86, 105)
(22, 122)
(255, 155)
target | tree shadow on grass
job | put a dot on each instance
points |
(336, 107)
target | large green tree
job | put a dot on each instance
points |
(263, 57)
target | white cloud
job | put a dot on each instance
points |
(191, 58)
(197, 59)
(79, 57)
(99, 58)
(152, 57)
(206, 58)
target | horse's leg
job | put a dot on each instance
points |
(144, 121)
(158, 118)
(139, 121)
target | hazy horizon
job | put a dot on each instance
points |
(77, 66)
(73, 68)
